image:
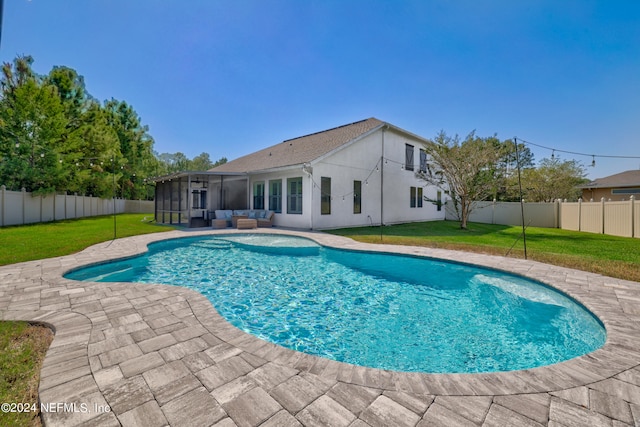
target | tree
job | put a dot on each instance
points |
(54, 136)
(201, 162)
(93, 155)
(179, 162)
(553, 179)
(220, 161)
(508, 169)
(32, 123)
(135, 146)
(468, 169)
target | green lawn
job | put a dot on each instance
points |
(599, 253)
(51, 239)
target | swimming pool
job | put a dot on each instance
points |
(378, 310)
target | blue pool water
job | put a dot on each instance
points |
(378, 310)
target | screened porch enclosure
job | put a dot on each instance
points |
(189, 199)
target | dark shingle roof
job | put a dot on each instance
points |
(300, 150)
(624, 179)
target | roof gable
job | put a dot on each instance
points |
(300, 150)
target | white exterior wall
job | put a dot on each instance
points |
(398, 180)
(357, 162)
(285, 219)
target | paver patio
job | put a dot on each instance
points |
(139, 354)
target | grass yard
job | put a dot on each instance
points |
(599, 253)
(22, 350)
(51, 239)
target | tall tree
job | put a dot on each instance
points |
(94, 154)
(136, 148)
(32, 124)
(467, 169)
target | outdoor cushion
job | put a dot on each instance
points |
(262, 214)
(223, 214)
(252, 214)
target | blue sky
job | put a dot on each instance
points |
(231, 77)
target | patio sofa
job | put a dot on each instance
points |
(264, 218)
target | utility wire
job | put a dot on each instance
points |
(576, 153)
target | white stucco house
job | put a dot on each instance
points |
(358, 174)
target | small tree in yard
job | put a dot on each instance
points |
(553, 179)
(468, 169)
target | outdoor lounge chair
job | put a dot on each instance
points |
(267, 221)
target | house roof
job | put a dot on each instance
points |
(300, 150)
(624, 179)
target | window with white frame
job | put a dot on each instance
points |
(415, 197)
(357, 197)
(258, 195)
(294, 195)
(423, 160)
(325, 195)
(275, 195)
(408, 157)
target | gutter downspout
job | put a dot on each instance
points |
(309, 175)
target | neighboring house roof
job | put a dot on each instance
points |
(301, 150)
(624, 179)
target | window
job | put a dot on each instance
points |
(325, 195)
(625, 191)
(199, 200)
(258, 195)
(294, 195)
(275, 195)
(415, 197)
(423, 160)
(357, 197)
(439, 200)
(408, 157)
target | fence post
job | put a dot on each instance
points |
(632, 200)
(580, 216)
(602, 221)
(493, 212)
(2, 195)
(24, 196)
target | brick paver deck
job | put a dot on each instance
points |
(156, 355)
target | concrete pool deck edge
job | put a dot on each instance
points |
(159, 344)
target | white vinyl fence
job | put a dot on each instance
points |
(604, 217)
(21, 207)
